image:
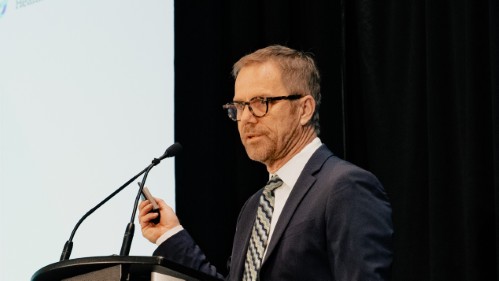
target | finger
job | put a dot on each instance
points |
(162, 205)
(146, 219)
(145, 210)
(143, 203)
(160, 202)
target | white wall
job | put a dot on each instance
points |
(86, 102)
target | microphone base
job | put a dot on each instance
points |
(127, 239)
(66, 252)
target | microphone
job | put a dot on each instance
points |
(171, 151)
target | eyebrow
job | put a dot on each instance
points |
(255, 97)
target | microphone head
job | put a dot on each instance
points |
(173, 150)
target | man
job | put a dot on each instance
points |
(320, 217)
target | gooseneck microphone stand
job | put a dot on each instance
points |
(171, 151)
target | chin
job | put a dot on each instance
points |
(256, 152)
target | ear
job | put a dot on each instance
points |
(307, 109)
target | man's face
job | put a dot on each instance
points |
(269, 138)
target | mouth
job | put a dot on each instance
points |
(250, 133)
(252, 136)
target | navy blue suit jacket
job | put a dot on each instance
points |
(335, 225)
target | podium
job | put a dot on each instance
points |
(119, 268)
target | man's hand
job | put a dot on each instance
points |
(150, 230)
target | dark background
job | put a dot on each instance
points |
(410, 92)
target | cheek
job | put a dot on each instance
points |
(285, 123)
(280, 130)
(287, 129)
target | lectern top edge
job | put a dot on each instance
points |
(139, 266)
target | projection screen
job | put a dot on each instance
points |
(86, 103)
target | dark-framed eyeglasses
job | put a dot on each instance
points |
(259, 106)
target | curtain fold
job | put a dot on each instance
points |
(419, 95)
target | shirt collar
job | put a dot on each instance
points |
(290, 172)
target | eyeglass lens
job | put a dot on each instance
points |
(257, 106)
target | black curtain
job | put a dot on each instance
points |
(410, 92)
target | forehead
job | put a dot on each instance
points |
(263, 79)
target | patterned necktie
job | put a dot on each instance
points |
(260, 232)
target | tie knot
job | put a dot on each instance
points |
(273, 183)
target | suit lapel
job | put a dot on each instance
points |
(302, 186)
(248, 213)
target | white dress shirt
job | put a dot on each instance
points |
(289, 174)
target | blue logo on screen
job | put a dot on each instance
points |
(3, 7)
